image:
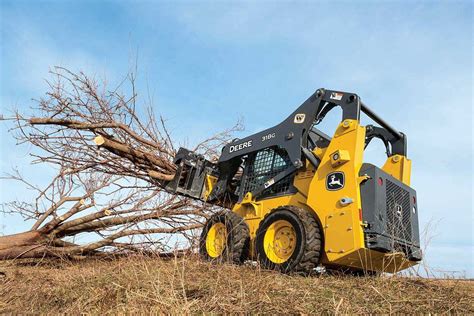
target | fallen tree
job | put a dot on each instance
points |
(112, 157)
(110, 210)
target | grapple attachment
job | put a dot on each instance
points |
(191, 174)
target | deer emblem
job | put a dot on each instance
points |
(334, 181)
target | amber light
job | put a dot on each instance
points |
(360, 214)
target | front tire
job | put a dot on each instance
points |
(225, 238)
(289, 240)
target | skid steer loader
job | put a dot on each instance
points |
(297, 198)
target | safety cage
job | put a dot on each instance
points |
(263, 166)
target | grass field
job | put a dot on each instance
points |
(187, 285)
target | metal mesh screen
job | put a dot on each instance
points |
(263, 166)
(398, 212)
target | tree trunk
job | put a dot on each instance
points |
(30, 244)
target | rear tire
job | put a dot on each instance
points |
(289, 240)
(225, 238)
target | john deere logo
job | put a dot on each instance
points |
(336, 96)
(335, 181)
(398, 210)
(299, 118)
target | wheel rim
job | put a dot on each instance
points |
(279, 241)
(216, 240)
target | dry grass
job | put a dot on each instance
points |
(187, 285)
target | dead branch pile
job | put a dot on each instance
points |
(111, 156)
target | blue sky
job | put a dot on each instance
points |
(205, 64)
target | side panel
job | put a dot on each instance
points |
(340, 224)
(339, 209)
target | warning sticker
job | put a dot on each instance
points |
(269, 183)
(336, 96)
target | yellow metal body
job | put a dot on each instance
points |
(342, 224)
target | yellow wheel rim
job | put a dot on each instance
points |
(279, 241)
(216, 240)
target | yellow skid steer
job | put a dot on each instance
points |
(296, 198)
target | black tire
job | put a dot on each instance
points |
(237, 245)
(307, 252)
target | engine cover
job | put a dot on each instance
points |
(390, 214)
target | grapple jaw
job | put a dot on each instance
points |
(193, 170)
